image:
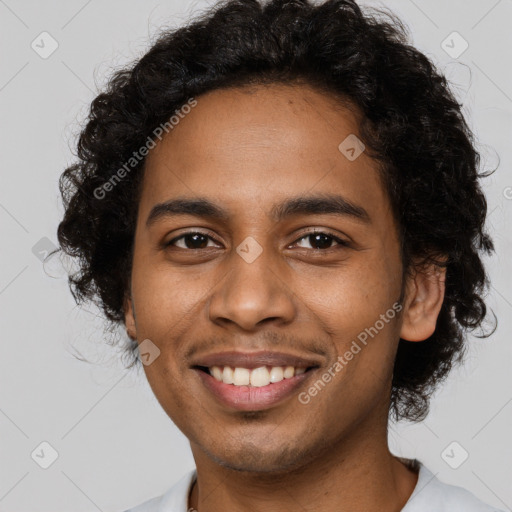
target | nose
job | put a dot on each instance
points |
(252, 294)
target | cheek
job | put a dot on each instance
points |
(348, 303)
(166, 299)
(171, 391)
(351, 297)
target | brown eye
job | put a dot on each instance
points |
(319, 240)
(191, 240)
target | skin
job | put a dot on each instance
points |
(247, 149)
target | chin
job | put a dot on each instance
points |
(267, 460)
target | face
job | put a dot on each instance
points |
(258, 270)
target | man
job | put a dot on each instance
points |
(281, 204)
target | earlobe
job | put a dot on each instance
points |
(129, 318)
(424, 298)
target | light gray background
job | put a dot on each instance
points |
(116, 447)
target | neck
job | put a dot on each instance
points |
(356, 475)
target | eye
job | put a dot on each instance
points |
(191, 240)
(194, 240)
(320, 240)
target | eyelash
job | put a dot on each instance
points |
(341, 242)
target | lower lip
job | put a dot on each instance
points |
(252, 398)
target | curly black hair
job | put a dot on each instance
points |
(411, 124)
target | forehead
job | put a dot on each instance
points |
(261, 144)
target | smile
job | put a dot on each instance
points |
(252, 389)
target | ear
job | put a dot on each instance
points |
(129, 318)
(423, 300)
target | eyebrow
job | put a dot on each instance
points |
(330, 204)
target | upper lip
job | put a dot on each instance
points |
(252, 360)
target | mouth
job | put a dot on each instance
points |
(254, 377)
(252, 389)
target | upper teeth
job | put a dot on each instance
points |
(257, 377)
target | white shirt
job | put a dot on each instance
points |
(429, 495)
